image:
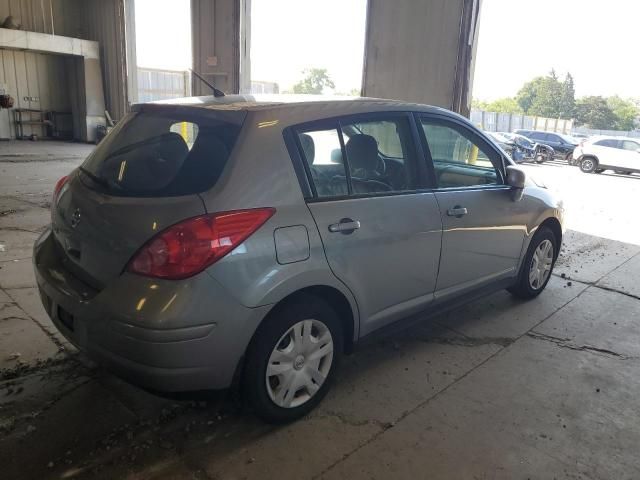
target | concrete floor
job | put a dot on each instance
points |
(498, 389)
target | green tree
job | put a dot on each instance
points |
(626, 112)
(567, 103)
(548, 96)
(314, 82)
(478, 104)
(501, 105)
(504, 105)
(594, 112)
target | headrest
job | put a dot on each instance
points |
(308, 147)
(362, 152)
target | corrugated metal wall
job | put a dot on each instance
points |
(29, 13)
(98, 20)
(156, 84)
(39, 81)
(104, 22)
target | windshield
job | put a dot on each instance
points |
(163, 153)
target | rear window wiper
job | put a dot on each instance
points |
(96, 179)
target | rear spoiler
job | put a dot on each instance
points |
(233, 115)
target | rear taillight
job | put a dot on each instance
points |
(189, 247)
(56, 190)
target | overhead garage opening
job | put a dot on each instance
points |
(302, 46)
(163, 49)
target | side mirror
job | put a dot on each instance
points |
(516, 177)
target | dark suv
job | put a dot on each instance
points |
(563, 145)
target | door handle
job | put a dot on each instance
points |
(457, 211)
(345, 226)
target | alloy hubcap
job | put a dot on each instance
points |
(299, 363)
(587, 164)
(541, 264)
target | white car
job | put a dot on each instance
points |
(622, 155)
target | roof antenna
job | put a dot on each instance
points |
(216, 92)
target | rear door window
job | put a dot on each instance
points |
(353, 156)
(629, 145)
(381, 155)
(322, 151)
(160, 153)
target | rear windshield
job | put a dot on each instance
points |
(156, 153)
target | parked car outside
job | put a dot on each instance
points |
(521, 149)
(622, 155)
(253, 240)
(563, 145)
(503, 142)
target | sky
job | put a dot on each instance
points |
(290, 35)
(287, 36)
(519, 39)
(163, 34)
(596, 41)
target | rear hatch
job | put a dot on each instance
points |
(146, 175)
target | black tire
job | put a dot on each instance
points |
(588, 164)
(523, 288)
(265, 340)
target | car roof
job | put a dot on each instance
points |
(261, 102)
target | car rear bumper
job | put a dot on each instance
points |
(165, 335)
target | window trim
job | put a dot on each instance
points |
(482, 142)
(303, 172)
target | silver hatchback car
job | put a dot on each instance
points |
(209, 242)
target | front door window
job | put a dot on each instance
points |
(458, 159)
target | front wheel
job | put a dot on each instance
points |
(588, 165)
(292, 360)
(537, 265)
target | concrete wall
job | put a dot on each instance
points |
(421, 51)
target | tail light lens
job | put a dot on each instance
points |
(56, 190)
(189, 247)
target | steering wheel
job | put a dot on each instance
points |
(381, 167)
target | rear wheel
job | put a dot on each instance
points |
(292, 360)
(588, 164)
(537, 265)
